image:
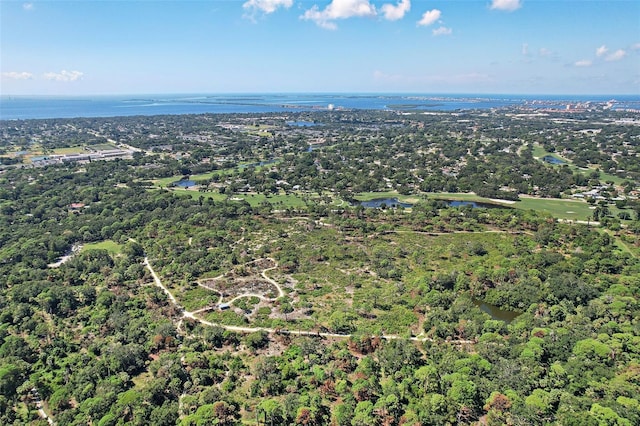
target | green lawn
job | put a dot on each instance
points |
(366, 196)
(195, 194)
(558, 208)
(567, 209)
(606, 177)
(103, 147)
(260, 133)
(111, 246)
(563, 209)
(80, 149)
(57, 151)
(279, 201)
(69, 150)
(458, 196)
(164, 182)
(539, 152)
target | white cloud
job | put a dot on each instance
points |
(525, 49)
(393, 13)
(27, 6)
(544, 52)
(602, 50)
(64, 75)
(635, 46)
(266, 6)
(583, 63)
(14, 75)
(442, 31)
(616, 56)
(429, 17)
(508, 5)
(339, 9)
(316, 16)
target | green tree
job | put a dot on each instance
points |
(272, 412)
(605, 416)
(363, 415)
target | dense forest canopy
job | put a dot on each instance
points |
(266, 294)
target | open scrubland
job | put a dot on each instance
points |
(265, 293)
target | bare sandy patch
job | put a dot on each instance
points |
(495, 200)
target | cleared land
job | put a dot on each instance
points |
(111, 246)
(337, 281)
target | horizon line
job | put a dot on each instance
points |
(397, 93)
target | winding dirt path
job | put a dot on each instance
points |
(192, 315)
(271, 281)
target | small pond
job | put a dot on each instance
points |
(303, 123)
(495, 312)
(384, 202)
(552, 160)
(185, 183)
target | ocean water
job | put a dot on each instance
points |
(32, 107)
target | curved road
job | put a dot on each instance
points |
(191, 315)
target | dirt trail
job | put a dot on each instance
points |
(192, 315)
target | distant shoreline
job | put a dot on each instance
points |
(24, 107)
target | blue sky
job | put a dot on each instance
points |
(453, 46)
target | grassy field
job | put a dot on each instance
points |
(561, 209)
(80, 149)
(606, 177)
(56, 151)
(279, 201)
(565, 209)
(111, 246)
(366, 196)
(458, 196)
(195, 194)
(164, 182)
(69, 150)
(103, 147)
(539, 152)
(260, 133)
